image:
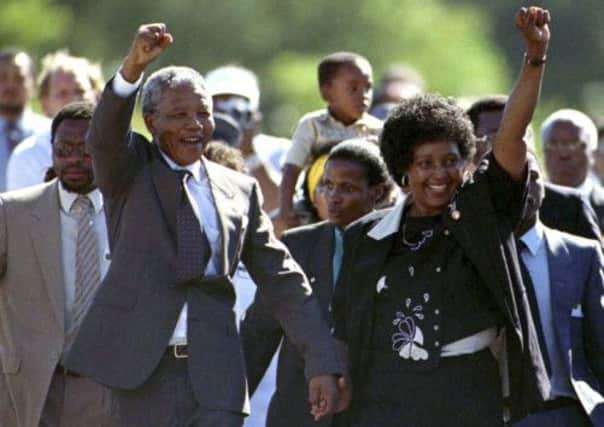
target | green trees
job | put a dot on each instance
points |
(282, 40)
(461, 47)
(35, 25)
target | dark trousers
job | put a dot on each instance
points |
(166, 399)
(567, 416)
(75, 402)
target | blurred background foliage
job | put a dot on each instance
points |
(462, 47)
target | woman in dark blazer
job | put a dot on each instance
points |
(426, 287)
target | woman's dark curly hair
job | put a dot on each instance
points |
(421, 119)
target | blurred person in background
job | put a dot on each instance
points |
(569, 137)
(310, 204)
(63, 79)
(346, 85)
(399, 81)
(235, 92)
(598, 153)
(562, 208)
(17, 121)
(353, 183)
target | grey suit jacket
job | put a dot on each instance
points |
(32, 301)
(134, 314)
(577, 295)
(312, 247)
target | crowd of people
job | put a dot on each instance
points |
(402, 260)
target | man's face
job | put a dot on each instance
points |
(536, 188)
(486, 129)
(16, 85)
(71, 161)
(65, 87)
(350, 91)
(182, 123)
(347, 191)
(598, 156)
(566, 157)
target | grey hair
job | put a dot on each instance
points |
(168, 77)
(588, 133)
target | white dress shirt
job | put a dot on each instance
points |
(69, 237)
(29, 161)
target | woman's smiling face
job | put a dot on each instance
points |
(434, 174)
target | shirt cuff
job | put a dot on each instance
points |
(123, 88)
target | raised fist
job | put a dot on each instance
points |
(533, 23)
(149, 42)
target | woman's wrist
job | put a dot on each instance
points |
(535, 60)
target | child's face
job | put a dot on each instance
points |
(349, 93)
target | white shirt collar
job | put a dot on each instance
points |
(587, 186)
(389, 224)
(195, 168)
(533, 238)
(66, 199)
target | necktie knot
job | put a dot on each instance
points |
(184, 175)
(81, 206)
(521, 246)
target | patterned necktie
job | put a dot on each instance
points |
(13, 135)
(88, 272)
(193, 245)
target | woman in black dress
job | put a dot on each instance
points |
(426, 287)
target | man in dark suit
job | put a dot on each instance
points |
(569, 137)
(161, 332)
(563, 208)
(353, 183)
(565, 285)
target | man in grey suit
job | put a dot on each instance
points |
(161, 331)
(52, 255)
(564, 280)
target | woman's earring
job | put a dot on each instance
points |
(405, 180)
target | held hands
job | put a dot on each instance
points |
(149, 42)
(533, 24)
(323, 396)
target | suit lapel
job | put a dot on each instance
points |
(559, 264)
(168, 190)
(321, 259)
(371, 264)
(45, 232)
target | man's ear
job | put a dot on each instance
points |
(325, 90)
(149, 122)
(377, 193)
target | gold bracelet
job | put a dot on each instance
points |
(535, 62)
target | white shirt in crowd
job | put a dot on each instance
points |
(29, 161)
